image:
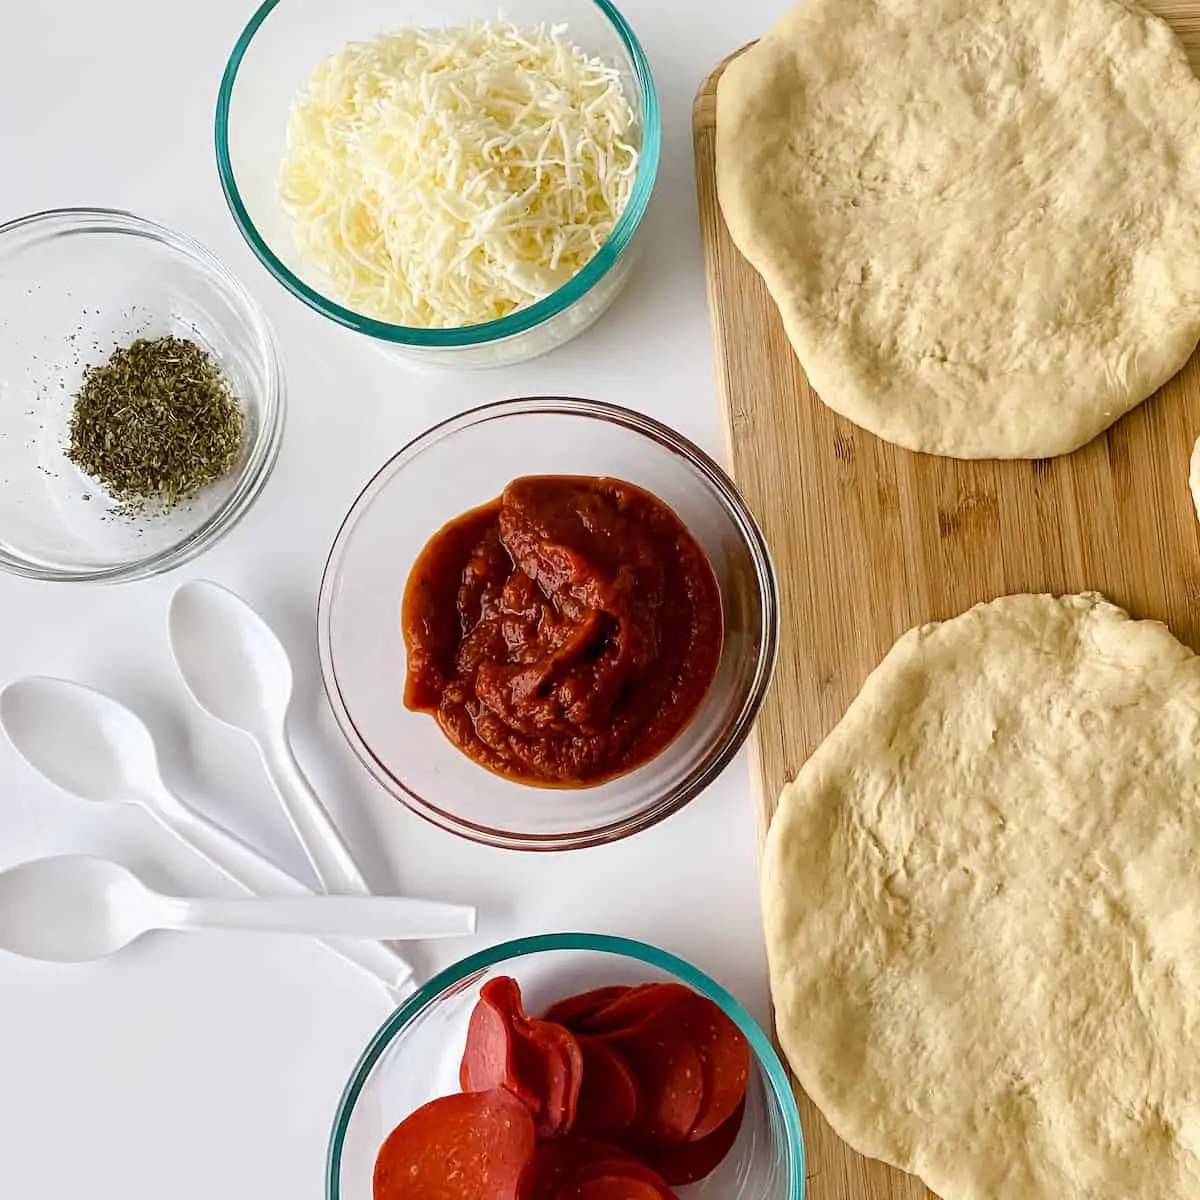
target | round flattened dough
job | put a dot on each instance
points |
(980, 220)
(982, 908)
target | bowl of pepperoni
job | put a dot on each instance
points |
(568, 1067)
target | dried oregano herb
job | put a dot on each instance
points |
(155, 423)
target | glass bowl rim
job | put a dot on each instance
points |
(764, 1051)
(264, 450)
(522, 319)
(717, 757)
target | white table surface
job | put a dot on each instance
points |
(203, 1066)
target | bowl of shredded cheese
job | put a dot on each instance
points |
(460, 183)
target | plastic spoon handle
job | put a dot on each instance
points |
(258, 874)
(325, 916)
(328, 853)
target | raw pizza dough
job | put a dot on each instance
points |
(980, 219)
(1194, 477)
(982, 908)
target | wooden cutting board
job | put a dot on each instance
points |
(870, 540)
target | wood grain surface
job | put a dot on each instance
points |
(870, 540)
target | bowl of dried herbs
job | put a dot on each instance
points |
(141, 397)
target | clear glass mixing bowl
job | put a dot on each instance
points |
(465, 462)
(74, 285)
(275, 55)
(414, 1059)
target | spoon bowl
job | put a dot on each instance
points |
(71, 908)
(231, 661)
(81, 740)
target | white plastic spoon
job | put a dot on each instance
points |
(93, 747)
(75, 908)
(238, 671)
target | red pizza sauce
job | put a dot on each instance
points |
(564, 633)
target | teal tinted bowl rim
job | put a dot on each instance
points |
(516, 322)
(663, 960)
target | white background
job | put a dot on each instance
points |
(201, 1066)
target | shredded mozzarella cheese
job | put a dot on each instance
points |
(446, 177)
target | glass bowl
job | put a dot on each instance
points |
(465, 462)
(275, 55)
(74, 285)
(415, 1055)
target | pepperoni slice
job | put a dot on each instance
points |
(562, 1074)
(639, 1006)
(580, 1007)
(495, 1055)
(724, 1057)
(681, 1163)
(561, 1165)
(463, 1147)
(609, 1099)
(538, 1061)
(669, 1075)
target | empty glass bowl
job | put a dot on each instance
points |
(414, 1059)
(273, 58)
(74, 285)
(465, 462)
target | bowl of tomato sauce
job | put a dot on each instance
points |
(547, 623)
